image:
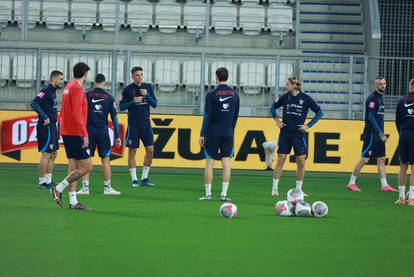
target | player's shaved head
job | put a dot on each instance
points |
(380, 84)
(56, 78)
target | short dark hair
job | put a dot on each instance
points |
(80, 69)
(136, 68)
(100, 78)
(380, 77)
(222, 74)
(55, 73)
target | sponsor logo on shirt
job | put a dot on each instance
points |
(408, 105)
(224, 99)
(97, 100)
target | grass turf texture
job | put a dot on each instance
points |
(167, 231)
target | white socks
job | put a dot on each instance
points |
(208, 189)
(48, 178)
(62, 185)
(72, 198)
(276, 184)
(224, 188)
(145, 171)
(411, 193)
(299, 184)
(42, 180)
(352, 179)
(85, 184)
(133, 172)
(401, 190)
(107, 184)
(383, 182)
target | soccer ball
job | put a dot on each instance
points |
(284, 208)
(319, 209)
(228, 210)
(303, 209)
(295, 195)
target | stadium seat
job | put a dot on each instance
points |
(55, 14)
(286, 70)
(107, 14)
(105, 68)
(168, 16)
(279, 18)
(34, 13)
(231, 68)
(84, 14)
(194, 16)
(192, 74)
(4, 69)
(24, 70)
(252, 77)
(89, 59)
(53, 62)
(146, 65)
(167, 74)
(5, 12)
(224, 18)
(139, 15)
(252, 18)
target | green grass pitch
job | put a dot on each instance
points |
(167, 231)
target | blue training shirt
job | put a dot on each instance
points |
(138, 113)
(221, 111)
(295, 111)
(404, 114)
(374, 113)
(45, 104)
(100, 104)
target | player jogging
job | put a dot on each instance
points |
(296, 105)
(221, 111)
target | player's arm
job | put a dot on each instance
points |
(236, 112)
(318, 113)
(372, 109)
(76, 101)
(206, 118)
(273, 111)
(114, 117)
(36, 106)
(126, 101)
(398, 116)
(152, 100)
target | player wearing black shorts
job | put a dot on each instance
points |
(45, 105)
(404, 120)
(137, 98)
(221, 111)
(296, 105)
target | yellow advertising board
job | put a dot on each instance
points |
(334, 145)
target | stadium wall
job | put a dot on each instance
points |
(334, 145)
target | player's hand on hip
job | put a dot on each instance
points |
(279, 123)
(202, 141)
(143, 92)
(383, 138)
(303, 128)
(46, 122)
(118, 142)
(85, 142)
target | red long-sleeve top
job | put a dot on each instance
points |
(74, 112)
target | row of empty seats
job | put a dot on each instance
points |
(165, 72)
(167, 15)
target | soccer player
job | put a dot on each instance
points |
(100, 104)
(45, 105)
(137, 98)
(221, 111)
(269, 149)
(373, 136)
(296, 105)
(75, 136)
(404, 120)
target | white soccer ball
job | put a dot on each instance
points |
(295, 195)
(320, 209)
(228, 210)
(284, 208)
(303, 209)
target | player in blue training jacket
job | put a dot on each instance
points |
(296, 105)
(45, 105)
(373, 136)
(221, 111)
(137, 98)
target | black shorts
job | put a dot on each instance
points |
(372, 146)
(406, 149)
(102, 141)
(217, 147)
(297, 141)
(47, 138)
(136, 133)
(73, 148)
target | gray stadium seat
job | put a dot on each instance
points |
(194, 16)
(84, 14)
(167, 74)
(34, 13)
(231, 68)
(252, 18)
(105, 67)
(5, 12)
(24, 70)
(252, 77)
(168, 16)
(107, 14)
(192, 74)
(4, 69)
(55, 14)
(286, 70)
(224, 18)
(279, 18)
(139, 15)
(52, 62)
